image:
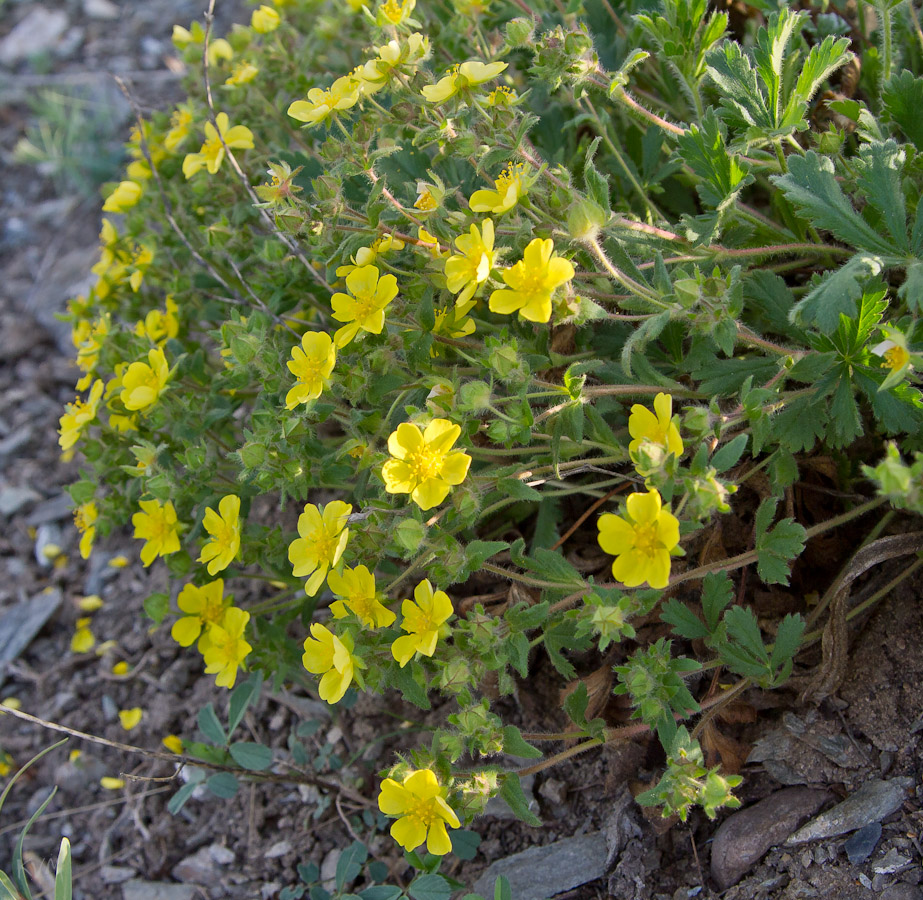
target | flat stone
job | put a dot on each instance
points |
(100, 9)
(278, 849)
(863, 843)
(541, 872)
(22, 622)
(15, 441)
(39, 32)
(891, 863)
(13, 499)
(200, 868)
(902, 892)
(57, 509)
(157, 890)
(746, 836)
(116, 874)
(874, 801)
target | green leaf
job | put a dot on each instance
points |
(742, 101)
(223, 785)
(430, 887)
(845, 424)
(788, 640)
(703, 149)
(350, 863)
(523, 617)
(63, 882)
(769, 55)
(597, 186)
(478, 552)
(502, 890)
(717, 594)
(684, 621)
(381, 892)
(560, 636)
(178, 800)
(465, 843)
(7, 888)
(546, 523)
(210, 726)
(255, 757)
(518, 490)
(776, 547)
(515, 745)
(511, 791)
(881, 167)
(744, 630)
(728, 455)
(411, 690)
(241, 698)
(575, 704)
(517, 645)
(823, 60)
(903, 99)
(19, 872)
(812, 187)
(157, 606)
(553, 567)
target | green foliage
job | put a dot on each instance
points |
(243, 345)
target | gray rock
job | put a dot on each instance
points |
(863, 843)
(15, 441)
(541, 872)
(57, 509)
(620, 826)
(891, 863)
(157, 890)
(100, 9)
(13, 499)
(200, 868)
(902, 892)
(745, 837)
(38, 32)
(22, 622)
(328, 868)
(47, 538)
(75, 775)
(222, 855)
(116, 874)
(278, 849)
(871, 803)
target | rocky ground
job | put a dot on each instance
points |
(832, 792)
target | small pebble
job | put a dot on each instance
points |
(862, 844)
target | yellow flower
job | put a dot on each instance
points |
(159, 326)
(227, 648)
(244, 73)
(364, 306)
(124, 197)
(112, 784)
(156, 524)
(143, 383)
(205, 606)
(366, 256)
(78, 415)
(180, 128)
(453, 323)
(173, 743)
(467, 271)
(91, 603)
(533, 280)
(322, 104)
(420, 802)
(140, 259)
(641, 542)
(130, 717)
(123, 423)
(224, 528)
(460, 78)
(332, 657)
(393, 13)
(85, 517)
(219, 49)
(323, 536)
(211, 154)
(311, 364)
(424, 617)
(265, 20)
(510, 186)
(657, 427)
(424, 464)
(88, 339)
(357, 588)
(82, 640)
(430, 242)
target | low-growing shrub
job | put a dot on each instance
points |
(403, 298)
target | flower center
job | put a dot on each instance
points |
(424, 811)
(646, 540)
(325, 545)
(212, 147)
(896, 358)
(425, 463)
(510, 174)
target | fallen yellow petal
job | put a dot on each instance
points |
(112, 784)
(130, 717)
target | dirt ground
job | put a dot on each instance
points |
(251, 845)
